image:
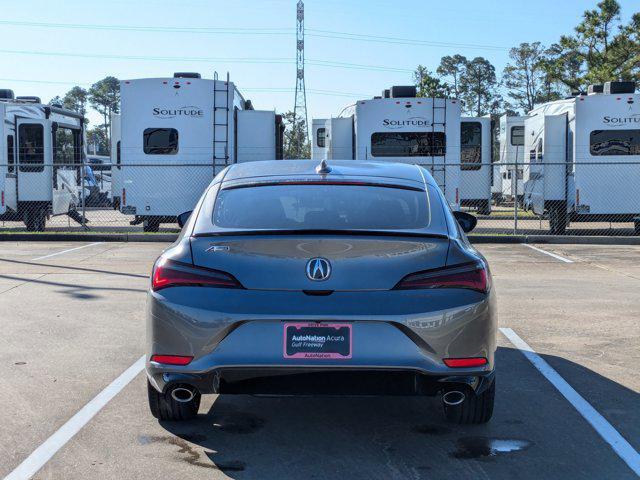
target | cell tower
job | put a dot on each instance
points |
(300, 108)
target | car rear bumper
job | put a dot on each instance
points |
(235, 351)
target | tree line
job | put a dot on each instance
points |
(601, 48)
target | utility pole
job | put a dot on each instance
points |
(300, 108)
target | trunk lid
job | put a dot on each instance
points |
(358, 262)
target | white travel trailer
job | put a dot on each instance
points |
(585, 157)
(176, 134)
(40, 160)
(511, 153)
(475, 163)
(398, 127)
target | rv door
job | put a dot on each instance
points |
(67, 187)
(34, 160)
(11, 176)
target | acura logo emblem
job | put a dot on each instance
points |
(318, 269)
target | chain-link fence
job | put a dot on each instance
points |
(588, 198)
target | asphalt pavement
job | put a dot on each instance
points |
(73, 322)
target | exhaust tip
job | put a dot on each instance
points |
(453, 398)
(182, 394)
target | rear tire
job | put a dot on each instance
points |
(164, 407)
(474, 409)
(558, 218)
(35, 220)
(484, 208)
(151, 225)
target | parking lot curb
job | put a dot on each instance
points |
(172, 237)
(88, 237)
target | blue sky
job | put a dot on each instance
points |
(255, 41)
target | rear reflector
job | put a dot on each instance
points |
(472, 276)
(172, 359)
(465, 362)
(169, 273)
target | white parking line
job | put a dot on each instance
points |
(558, 257)
(65, 251)
(609, 434)
(55, 442)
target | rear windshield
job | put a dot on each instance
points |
(328, 207)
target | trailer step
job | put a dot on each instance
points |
(77, 217)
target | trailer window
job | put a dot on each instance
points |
(31, 147)
(517, 136)
(11, 159)
(160, 141)
(65, 147)
(321, 136)
(408, 144)
(614, 142)
(470, 146)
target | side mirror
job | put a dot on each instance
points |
(183, 217)
(466, 221)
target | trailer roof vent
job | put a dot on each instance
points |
(7, 94)
(594, 89)
(619, 87)
(403, 91)
(29, 99)
(386, 93)
(186, 75)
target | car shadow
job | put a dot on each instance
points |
(72, 268)
(535, 433)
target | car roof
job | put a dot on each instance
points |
(384, 172)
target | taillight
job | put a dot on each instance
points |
(465, 362)
(169, 273)
(172, 359)
(472, 276)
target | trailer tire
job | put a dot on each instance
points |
(151, 225)
(35, 219)
(484, 207)
(558, 218)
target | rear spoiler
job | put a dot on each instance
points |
(373, 233)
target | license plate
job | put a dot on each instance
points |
(317, 340)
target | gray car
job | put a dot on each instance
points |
(295, 278)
